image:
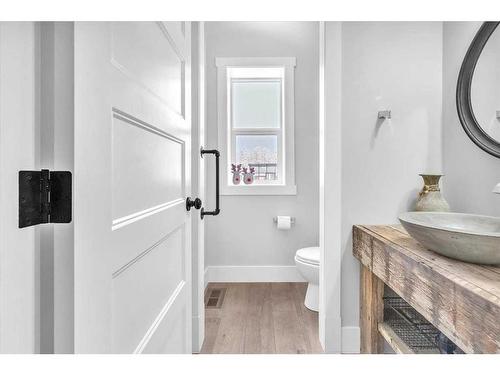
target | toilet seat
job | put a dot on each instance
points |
(308, 255)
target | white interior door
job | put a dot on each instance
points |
(132, 176)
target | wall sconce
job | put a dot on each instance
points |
(498, 115)
(384, 115)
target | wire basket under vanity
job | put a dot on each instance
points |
(405, 328)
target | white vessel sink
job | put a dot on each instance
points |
(470, 238)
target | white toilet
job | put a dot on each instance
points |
(307, 262)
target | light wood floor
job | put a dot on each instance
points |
(261, 318)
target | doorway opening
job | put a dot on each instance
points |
(259, 99)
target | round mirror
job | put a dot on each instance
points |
(485, 89)
(478, 89)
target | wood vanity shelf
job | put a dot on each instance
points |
(459, 299)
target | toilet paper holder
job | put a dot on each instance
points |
(292, 220)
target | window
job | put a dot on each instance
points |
(255, 115)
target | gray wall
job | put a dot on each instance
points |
(244, 233)
(470, 172)
(396, 66)
(410, 68)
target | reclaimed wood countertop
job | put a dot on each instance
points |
(461, 299)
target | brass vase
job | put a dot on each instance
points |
(430, 198)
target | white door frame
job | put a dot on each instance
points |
(19, 148)
(36, 107)
(198, 181)
(330, 323)
(56, 152)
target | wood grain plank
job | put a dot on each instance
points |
(474, 277)
(363, 246)
(267, 324)
(288, 336)
(484, 277)
(231, 331)
(211, 329)
(259, 327)
(460, 299)
(308, 319)
(394, 341)
(371, 312)
(261, 318)
(495, 269)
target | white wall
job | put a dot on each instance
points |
(470, 172)
(244, 233)
(396, 66)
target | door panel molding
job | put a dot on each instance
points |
(130, 219)
(132, 163)
(123, 45)
(175, 297)
(142, 288)
(129, 264)
(131, 239)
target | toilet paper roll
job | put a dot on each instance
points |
(284, 222)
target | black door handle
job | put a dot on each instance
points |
(196, 203)
(217, 195)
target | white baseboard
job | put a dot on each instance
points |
(350, 340)
(252, 274)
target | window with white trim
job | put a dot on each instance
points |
(256, 129)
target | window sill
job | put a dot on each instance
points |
(259, 190)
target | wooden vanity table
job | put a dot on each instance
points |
(459, 299)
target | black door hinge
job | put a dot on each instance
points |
(44, 197)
